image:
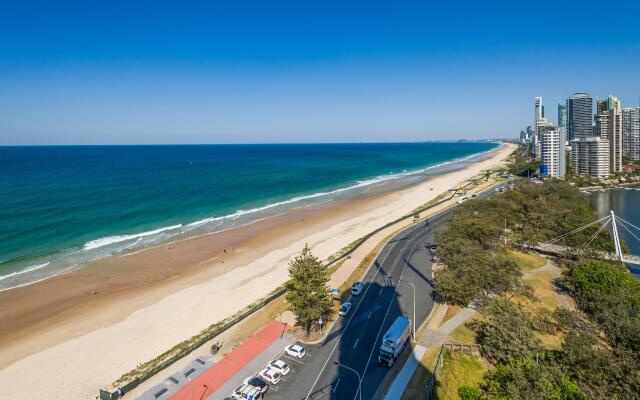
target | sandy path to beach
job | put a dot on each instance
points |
(76, 368)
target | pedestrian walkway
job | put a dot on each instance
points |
(221, 372)
(405, 374)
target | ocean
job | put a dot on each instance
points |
(64, 206)
(625, 203)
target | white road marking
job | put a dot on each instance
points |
(293, 359)
(371, 313)
(356, 343)
(388, 249)
(364, 373)
(346, 326)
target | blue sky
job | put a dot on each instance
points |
(254, 72)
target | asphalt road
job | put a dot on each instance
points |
(333, 368)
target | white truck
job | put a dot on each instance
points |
(394, 341)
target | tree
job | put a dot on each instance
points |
(523, 380)
(506, 333)
(307, 290)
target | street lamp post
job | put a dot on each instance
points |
(359, 391)
(414, 305)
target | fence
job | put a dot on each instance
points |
(183, 352)
(228, 323)
(464, 348)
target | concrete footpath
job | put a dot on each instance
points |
(238, 365)
(405, 374)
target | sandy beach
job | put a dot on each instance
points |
(70, 335)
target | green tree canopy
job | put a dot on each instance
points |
(307, 290)
(523, 380)
(506, 332)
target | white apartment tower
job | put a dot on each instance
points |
(608, 126)
(590, 157)
(551, 152)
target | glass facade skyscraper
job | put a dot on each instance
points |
(579, 116)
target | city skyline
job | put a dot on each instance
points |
(213, 73)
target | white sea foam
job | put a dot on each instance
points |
(94, 244)
(358, 184)
(95, 249)
(28, 269)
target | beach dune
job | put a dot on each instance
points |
(68, 336)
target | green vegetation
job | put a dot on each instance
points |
(523, 380)
(522, 166)
(611, 296)
(506, 333)
(481, 266)
(458, 370)
(307, 290)
(537, 349)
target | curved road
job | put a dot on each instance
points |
(333, 368)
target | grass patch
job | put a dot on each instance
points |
(463, 334)
(415, 389)
(458, 369)
(527, 261)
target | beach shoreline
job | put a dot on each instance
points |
(123, 310)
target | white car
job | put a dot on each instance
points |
(295, 350)
(280, 366)
(246, 392)
(345, 308)
(270, 375)
(357, 287)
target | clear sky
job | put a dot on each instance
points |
(303, 71)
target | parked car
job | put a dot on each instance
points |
(357, 287)
(295, 351)
(270, 375)
(280, 366)
(258, 383)
(246, 392)
(345, 308)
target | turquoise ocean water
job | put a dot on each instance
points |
(62, 206)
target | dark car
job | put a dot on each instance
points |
(258, 383)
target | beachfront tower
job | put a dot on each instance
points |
(551, 151)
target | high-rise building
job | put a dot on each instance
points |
(579, 116)
(602, 106)
(541, 125)
(608, 126)
(552, 151)
(562, 117)
(590, 157)
(539, 110)
(631, 133)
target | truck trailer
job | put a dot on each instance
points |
(394, 341)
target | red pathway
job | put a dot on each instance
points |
(219, 373)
